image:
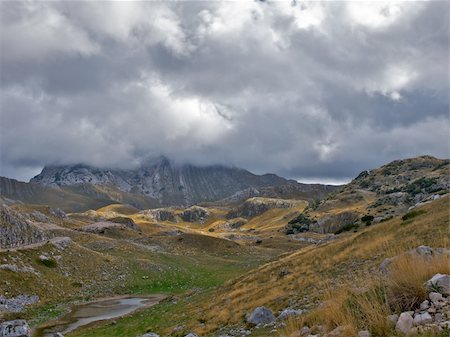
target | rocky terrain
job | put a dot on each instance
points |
(228, 268)
(174, 184)
(376, 195)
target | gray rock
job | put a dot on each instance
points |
(364, 333)
(305, 331)
(18, 303)
(16, 328)
(16, 230)
(422, 319)
(191, 335)
(261, 315)
(404, 323)
(149, 334)
(61, 242)
(439, 283)
(194, 214)
(424, 250)
(424, 305)
(58, 334)
(435, 297)
(286, 313)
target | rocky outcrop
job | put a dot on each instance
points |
(16, 328)
(195, 214)
(16, 230)
(234, 223)
(102, 227)
(160, 214)
(17, 304)
(256, 206)
(334, 223)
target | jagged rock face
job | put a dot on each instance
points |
(161, 214)
(16, 231)
(195, 214)
(161, 179)
(334, 223)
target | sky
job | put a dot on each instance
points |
(314, 91)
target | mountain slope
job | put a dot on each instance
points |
(165, 181)
(70, 198)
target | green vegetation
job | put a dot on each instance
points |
(413, 214)
(367, 219)
(48, 262)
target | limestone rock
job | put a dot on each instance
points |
(404, 323)
(261, 315)
(422, 319)
(16, 328)
(439, 283)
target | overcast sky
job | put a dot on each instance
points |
(316, 91)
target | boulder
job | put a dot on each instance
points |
(149, 334)
(422, 319)
(261, 315)
(16, 328)
(404, 323)
(439, 283)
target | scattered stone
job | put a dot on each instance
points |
(404, 323)
(149, 334)
(58, 334)
(439, 283)
(286, 313)
(18, 303)
(424, 305)
(191, 335)
(435, 297)
(16, 269)
(16, 328)
(61, 242)
(261, 315)
(305, 331)
(422, 319)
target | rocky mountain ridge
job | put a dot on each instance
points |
(170, 183)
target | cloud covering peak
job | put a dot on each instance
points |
(308, 90)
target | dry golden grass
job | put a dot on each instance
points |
(407, 276)
(351, 259)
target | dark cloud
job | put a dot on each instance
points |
(314, 91)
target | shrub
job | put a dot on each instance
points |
(413, 214)
(50, 263)
(367, 219)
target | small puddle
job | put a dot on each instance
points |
(95, 311)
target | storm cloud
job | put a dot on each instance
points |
(308, 90)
